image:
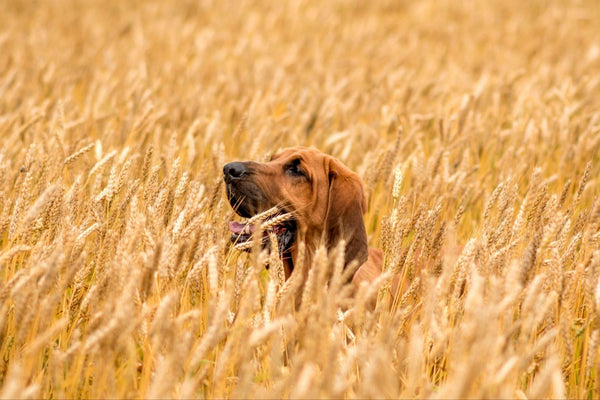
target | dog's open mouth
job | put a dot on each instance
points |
(274, 221)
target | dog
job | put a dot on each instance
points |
(325, 198)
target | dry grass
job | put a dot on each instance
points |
(475, 125)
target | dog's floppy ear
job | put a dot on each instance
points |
(346, 205)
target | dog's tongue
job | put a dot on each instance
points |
(236, 227)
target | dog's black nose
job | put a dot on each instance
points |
(235, 170)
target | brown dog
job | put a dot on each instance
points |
(326, 200)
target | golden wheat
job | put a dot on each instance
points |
(475, 126)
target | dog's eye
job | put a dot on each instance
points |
(293, 169)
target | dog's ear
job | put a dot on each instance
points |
(346, 205)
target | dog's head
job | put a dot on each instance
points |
(326, 199)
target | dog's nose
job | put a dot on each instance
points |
(235, 170)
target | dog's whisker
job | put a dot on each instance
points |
(239, 202)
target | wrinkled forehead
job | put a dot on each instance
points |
(306, 154)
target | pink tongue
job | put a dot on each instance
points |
(236, 227)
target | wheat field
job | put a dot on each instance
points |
(475, 126)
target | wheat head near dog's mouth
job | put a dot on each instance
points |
(273, 221)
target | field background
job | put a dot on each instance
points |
(474, 124)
